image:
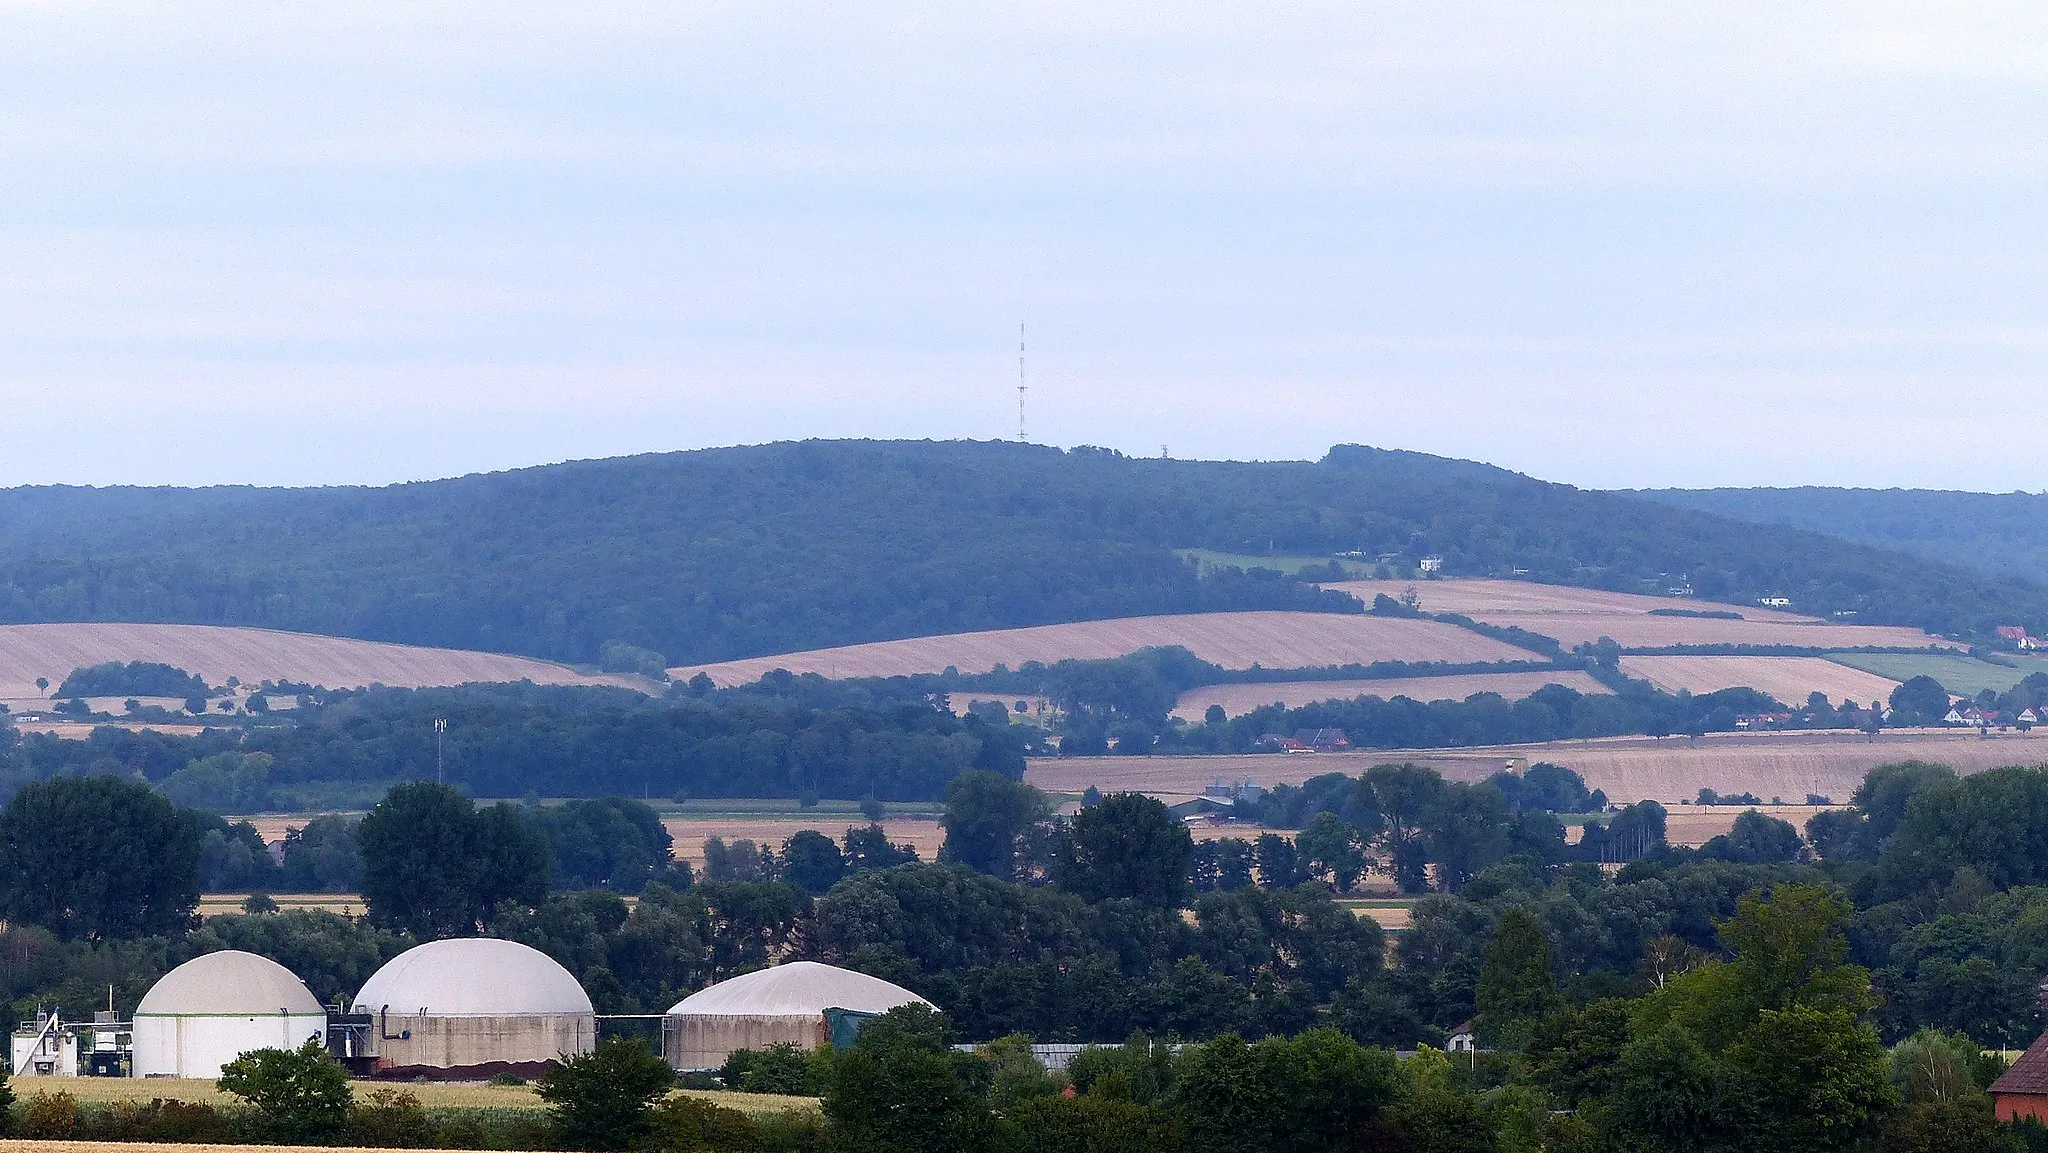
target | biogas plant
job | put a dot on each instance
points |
(455, 1010)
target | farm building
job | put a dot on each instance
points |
(212, 1009)
(474, 1007)
(2022, 1091)
(802, 1003)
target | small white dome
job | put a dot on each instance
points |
(798, 989)
(473, 977)
(229, 982)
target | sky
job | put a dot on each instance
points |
(1616, 245)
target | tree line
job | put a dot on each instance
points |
(787, 547)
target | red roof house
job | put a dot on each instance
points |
(2023, 1090)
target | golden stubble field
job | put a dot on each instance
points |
(1789, 679)
(1577, 616)
(1781, 764)
(1233, 640)
(1240, 699)
(215, 652)
(690, 833)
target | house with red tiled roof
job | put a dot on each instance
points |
(2023, 1090)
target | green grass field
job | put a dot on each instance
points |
(1964, 676)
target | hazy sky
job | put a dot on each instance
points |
(1629, 244)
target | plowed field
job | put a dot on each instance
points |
(1240, 699)
(1233, 640)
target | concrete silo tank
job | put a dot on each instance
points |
(212, 1009)
(785, 1003)
(474, 1007)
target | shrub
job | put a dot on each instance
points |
(601, 1099)
(688, 1124)
(392, 1117)
(49, 1117)
(302, 1094)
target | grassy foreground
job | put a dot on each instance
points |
(431, 1094)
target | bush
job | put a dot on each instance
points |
(49, 1117)
(602, 1099)
(176, 1122)
(780, 1068)
(393, 1117)
(302, 1094)
(687, 1124)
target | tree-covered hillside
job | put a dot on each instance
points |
(2004, 534)
(745, 551)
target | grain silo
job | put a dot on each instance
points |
(473, 1007)
(212, 1009)
(797, 1003)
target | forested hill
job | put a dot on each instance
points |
(742, 551)
(2004, 534)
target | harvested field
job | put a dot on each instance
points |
(1240, 699)
(691, 832)
(1577, 616)
(1782, 764)
(1476, 598)
(347, 904)
(80, 730)
(1789, 679)
(217, 653)
(1233, 640)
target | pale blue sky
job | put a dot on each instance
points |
(1614, 245)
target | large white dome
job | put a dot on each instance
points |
(798, 989)
(228, 983)
(473, 977)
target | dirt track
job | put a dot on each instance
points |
(1787, 765)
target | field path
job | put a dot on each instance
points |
(1233, 640)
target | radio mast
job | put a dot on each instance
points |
(1020, 383)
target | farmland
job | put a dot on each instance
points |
(1232, 640)
(52, 651)
(1789, 679)
(1958, 674)
(1240, 699)
(1577, 616)
(431, 1094)
(1783, 764)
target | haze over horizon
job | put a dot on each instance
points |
(1592, 243)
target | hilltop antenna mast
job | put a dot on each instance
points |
(1020, 383)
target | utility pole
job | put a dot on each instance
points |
(440, 728)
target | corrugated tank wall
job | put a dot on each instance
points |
(702, 1041)
(411, 1041)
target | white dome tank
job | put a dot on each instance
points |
(212, 1009)
(474, 1006)
(783, 1003)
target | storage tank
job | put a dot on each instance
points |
(212, 1009)
(472, 1008)
(799, 1003)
